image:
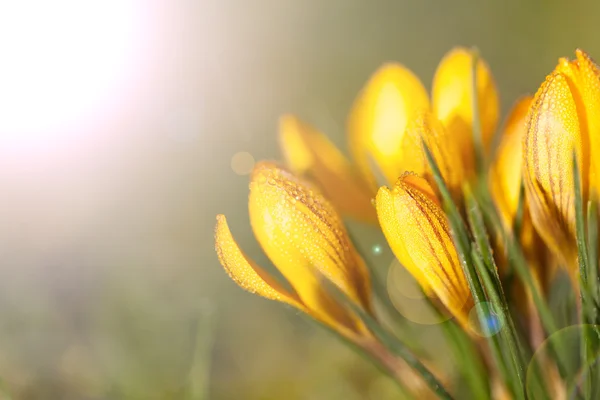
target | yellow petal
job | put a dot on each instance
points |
(584, 80)
(590, 80)
(416, 229)
(379, 118)
(427, 129)
(245, 272)
(506, 172)
(452, 97)
(309, 153)
(553, 134)
(304, 237)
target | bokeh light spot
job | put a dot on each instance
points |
(485, 320)
(575, 374)
(377, 249)
(242, 163)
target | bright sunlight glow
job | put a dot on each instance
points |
(61, 63)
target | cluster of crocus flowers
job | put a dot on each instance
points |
(391, 117)
(303, 235)
(391, 121)
(395, 131)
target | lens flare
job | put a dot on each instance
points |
(64, 63)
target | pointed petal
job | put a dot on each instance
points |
(247, 274)
(589, 89)
(427, 129)
(411, 221)
(553, 134)
(452, 97)
(390, 226)
(301, 233)
(507, 169)
(308, 152)
(379, 117)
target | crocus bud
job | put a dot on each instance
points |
(559, 124)
(452, 97)
(416, 228)
(379, 118)
(506, 172)
(303, 236)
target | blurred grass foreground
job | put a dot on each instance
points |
(126, 126)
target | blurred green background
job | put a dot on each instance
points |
(109, 283)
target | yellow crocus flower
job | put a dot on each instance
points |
(309, 152)
(379, 118)
(426, 129)
(391, 103)
(304, 237)
(394, 96)
(416, 228)
(563, 120)
(452, 98)
(505, 177)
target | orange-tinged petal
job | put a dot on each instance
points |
(584, 80)
(452, 98)
(415, 226)
(553, 134)
(507, 169)
(427, 129)
(308, 152)
(379, 118)
(590, 82)
(304, 237)
(245, 272)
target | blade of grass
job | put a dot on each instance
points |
(515, 375)
(491, 281)
(198, 377)
(588, 339)
(592, 244)
(463, 247)
(522, 269)
(470, 364)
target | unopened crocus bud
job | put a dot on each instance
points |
(416, 228)
(304, 237)
(452, 97)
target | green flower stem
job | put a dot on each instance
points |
(398, 349)
(506, 333)
(587, 286)
(463, 247)
(488, 272)
(469, 360)
(522, 268)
